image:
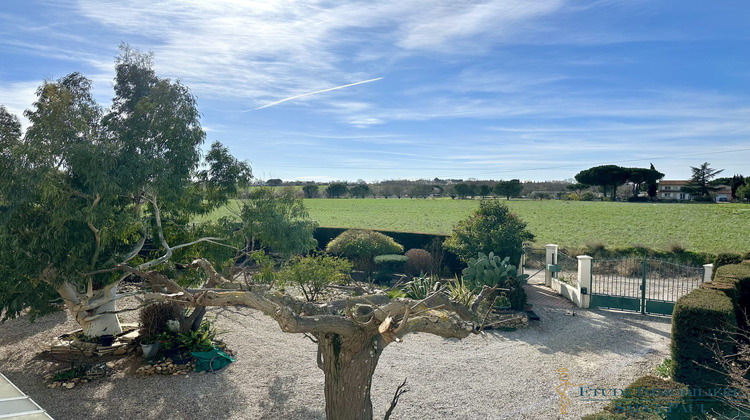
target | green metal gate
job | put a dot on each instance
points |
(642, 285)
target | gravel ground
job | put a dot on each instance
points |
(497, 375)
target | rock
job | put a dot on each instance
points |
(120, 351)
(69, 385)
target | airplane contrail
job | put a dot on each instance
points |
(313, 93)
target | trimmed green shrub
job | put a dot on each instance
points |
(701, 318)
(491, 228)
(727, 259)
(389, 264)
(362, 246)
(418, 261)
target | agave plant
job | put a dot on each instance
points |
(421, 287)
(460, 292)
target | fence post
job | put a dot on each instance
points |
(522, 263)
(708, 271)
(551, 259)
(584, 279)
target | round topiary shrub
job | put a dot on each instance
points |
(418, 261)
(362, 246)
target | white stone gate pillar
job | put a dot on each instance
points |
(708, 271)
(550, 260)
(584, 279)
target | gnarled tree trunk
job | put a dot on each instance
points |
(348, 363)
(94, 310)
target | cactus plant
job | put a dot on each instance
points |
(490, 270)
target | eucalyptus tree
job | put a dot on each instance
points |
(87, 188)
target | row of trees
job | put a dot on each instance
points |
(462, 190)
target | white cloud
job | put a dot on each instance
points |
(18, 97)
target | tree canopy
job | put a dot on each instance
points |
(700, 183)
(87, 188)
(609, 177)
(336, 190)
(491, 228)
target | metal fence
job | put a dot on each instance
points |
(642, 284)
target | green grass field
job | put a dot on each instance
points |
(712, 228)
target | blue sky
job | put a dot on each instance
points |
(536, 90)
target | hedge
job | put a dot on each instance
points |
(701, 318)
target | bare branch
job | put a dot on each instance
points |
(486, 292)
(214, 278)
(400, 390)
(157, 216)
(97, 236)
(144, 233)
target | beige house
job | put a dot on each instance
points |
(672, 190)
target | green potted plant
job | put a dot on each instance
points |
(149, 347)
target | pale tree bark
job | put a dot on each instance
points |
(94, 311)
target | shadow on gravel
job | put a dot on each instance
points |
(601, 331)
(276, 405)
(155, 397)
(19, 329)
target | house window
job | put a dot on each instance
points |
(682, 196)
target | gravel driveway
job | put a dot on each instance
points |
(497, 375)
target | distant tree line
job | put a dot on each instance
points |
(610, 182)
